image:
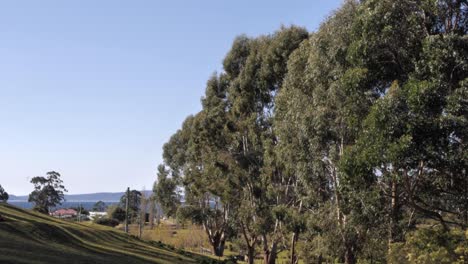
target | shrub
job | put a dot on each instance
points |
(230, 260)
(431, 245)
(107, 222)
(117, 213)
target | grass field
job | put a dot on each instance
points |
(30, 237)
(193, 238)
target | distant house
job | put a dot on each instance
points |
(64, 213)
(93, 215)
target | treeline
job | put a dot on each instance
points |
(347, 144)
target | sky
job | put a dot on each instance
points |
(93, 89)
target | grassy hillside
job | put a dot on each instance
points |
(29, 237)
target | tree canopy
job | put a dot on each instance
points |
(348, 141)
(134, 202)
(48, 191)
(100, 206)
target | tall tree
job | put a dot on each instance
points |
(407, 140)
(260, 67)
(48, 192)
(165, 192)
(209, 190)
(338, 138)
(318, 116)
(134, 204)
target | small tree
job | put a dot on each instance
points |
(48, 192)
(3, 195)
(100, 206)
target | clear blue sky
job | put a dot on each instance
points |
(93, 89)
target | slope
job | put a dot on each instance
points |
(30, 237)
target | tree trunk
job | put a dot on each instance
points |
(266, 256)
(272, 258)
(151, 213)
(126, 210)
(269, 254)
(250, 254)
(393, 226)
(350, 258)
(218, 247)
(140, 228)
(293, 248)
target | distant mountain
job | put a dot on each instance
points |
(17, 198)
(90, 197)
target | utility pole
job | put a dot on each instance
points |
(126, 209)
(142, 214)
(79, 214)
(140, 226)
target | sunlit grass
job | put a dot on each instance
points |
(191, 238)
(29, 237)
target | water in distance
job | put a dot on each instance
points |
(87, 205)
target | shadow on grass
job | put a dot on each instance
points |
(29, 237)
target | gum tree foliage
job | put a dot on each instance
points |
(209, 192)
(165, 192)
(256, 71)
(334, 145)
(202, 161)
(411, 135)
(48, 191)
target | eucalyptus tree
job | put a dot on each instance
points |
(165, 191)
(292, 147)
(418, 128)
(203, 164)
(417, 64)
(318, 116)
(256, 69)
(211, 191)
(133, 198)
(338, 138)
(48, 191)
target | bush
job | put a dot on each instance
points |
(107, 222)
(117, 213)
(431, 245)
(230, 260)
